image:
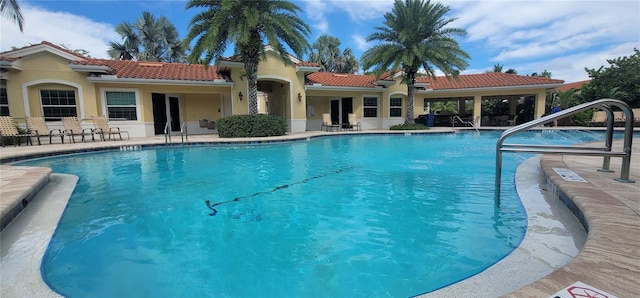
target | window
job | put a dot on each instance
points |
(426, 107)
(370, 107)
(4, 100)
(58, 103)
(121, 105)
(395, 107)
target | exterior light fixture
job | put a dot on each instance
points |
(240, 95)
(299, 97)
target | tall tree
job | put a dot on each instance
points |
(149, 39)
(621, 80)
(11, 10)
(246, 24)
(544, 74)
(498, 67)
(415, 37)
(326, 52)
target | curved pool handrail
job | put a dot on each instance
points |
(604, 104)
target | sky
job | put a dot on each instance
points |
(562, 37)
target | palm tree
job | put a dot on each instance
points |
(149, 39)
(415, 38)
(497, 67)
(326, 52)
(246, 24)
(128, 49)
(11, 10)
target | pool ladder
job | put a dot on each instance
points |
(453, 122)
(184, 136)
(606, 152)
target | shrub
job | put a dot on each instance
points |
(417, 126)
(247, 126)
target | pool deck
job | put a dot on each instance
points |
(608, 261)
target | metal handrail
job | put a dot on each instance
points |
(184, 135)
(604, 104)
(453, 122)
(183, 132)
(167, 132)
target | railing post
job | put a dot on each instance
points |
(606, 161)
(167, 133)
(498, 175)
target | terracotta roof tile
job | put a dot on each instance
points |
(157, 70)
(574, 85)
(340, 80)
(484, 80)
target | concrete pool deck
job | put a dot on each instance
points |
(609, 260)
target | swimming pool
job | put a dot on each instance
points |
(341, 216)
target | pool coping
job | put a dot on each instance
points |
(610, 258)
(604, 213)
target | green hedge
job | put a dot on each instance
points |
(247, 126)
(416, 126)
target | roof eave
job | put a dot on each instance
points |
(385, 83)
(115, 79)
(90, 68)
(307, 69)
(230, 64)
(15, 65)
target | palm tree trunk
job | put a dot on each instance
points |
(252, 58)
(411, 81)
(252, 80)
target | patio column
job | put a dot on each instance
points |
(477, 110)
(513, 105)
(541, 98)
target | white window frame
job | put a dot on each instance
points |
(42, 105)
(377, 107)
(426, 105)
(103, 99)
(395, 107)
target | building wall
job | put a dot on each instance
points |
(280, 86)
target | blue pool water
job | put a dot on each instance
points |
(344, 216)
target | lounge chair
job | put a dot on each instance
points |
(72, 128)
(38, 128)
(599, 118)
(102, 128)
(619, 117)
(328, 124)
(512, 122)
(8, 129)
(353, 123)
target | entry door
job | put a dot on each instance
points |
(173, 103)
(335, 111)
(346, 109)
(340, 109)
(165, 108)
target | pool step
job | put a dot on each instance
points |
(19, 185)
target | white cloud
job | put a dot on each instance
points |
(531, 29)
(360, 42)
(362, 10)
(72, 31)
